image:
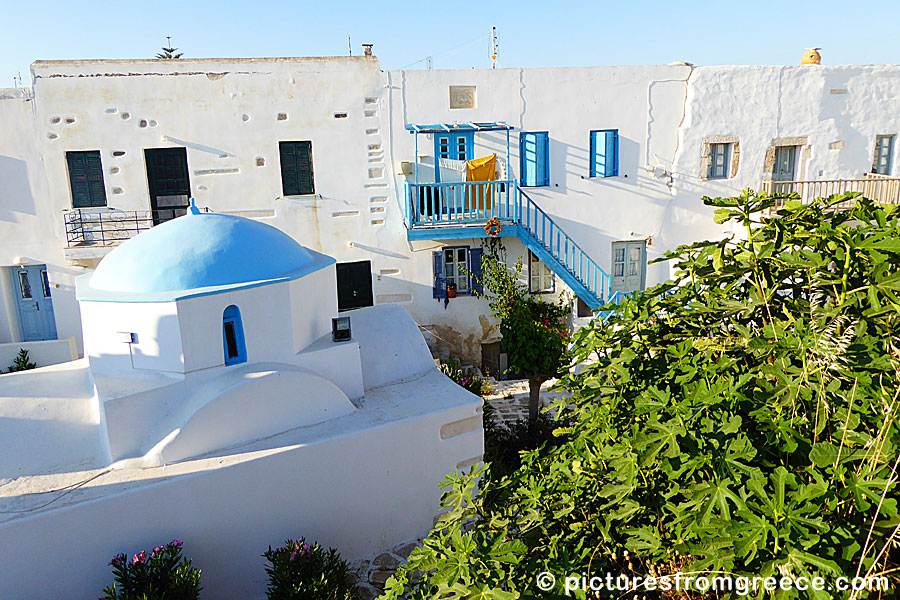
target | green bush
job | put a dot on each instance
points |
(740, 419)
(299, 571)
(163, 575)
(504, 443)
(22, 362)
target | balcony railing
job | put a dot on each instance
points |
(460, 202)
(110, 227)
(878, 188)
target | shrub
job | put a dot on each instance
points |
(163, 575)
(466, 378)
(22, 362)
(739, 419)
(299, 571)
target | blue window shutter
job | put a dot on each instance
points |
(543, 168)
(612, 153)
(475, 255)
(604, 156)
(526, 158)
(438, 290)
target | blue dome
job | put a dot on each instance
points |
(200, 250)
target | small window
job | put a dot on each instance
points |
(884, 151)
(534, 158)
(460, 266)
(45, 283)
(233, 336)
(618, 262)
(719, 161)
(540, 277)
(86, 179)
(604, 153)
(24, 284)
(296, 168)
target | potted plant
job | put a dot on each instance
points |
(451, 290)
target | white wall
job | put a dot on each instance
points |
(30, 227)
(662, 113)
(362, 494)
(43, 354)
(51, 421)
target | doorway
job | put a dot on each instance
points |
(354, 284)
(629, 266)
(170, 186)
(34, 304)
(785, 168)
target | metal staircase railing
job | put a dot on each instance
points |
(540, 234)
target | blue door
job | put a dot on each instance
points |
(33, 302)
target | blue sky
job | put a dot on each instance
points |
(456, 34)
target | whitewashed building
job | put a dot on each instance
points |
(599, 170)
(216, 405)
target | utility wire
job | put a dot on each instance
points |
(442, 53)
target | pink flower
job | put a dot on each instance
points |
(139, 557)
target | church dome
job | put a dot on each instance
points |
(200, 250)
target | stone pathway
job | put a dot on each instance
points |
(510, 398)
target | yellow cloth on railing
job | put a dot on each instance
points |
(480, 197)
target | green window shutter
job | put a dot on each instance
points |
(86, 179)
(296, 168)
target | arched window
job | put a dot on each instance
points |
(233, 336)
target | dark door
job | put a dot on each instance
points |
(354, 284)
(170, 186)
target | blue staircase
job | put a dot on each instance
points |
(443, 211)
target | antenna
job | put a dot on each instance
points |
(428, 60)
(349, 45)
(494, 48)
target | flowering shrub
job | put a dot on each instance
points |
(163, 575)
(299, 571)
(464, 378)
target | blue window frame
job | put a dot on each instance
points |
(233, 336)
(460, 265)
(604, 153)
(534, 158)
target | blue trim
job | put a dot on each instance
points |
(232, 316)
(458, 127)
(474, 231)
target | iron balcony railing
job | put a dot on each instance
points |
(108, 227)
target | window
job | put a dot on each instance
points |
(605, 153)
(459, 265)
(540, 277)
(458, 146)
(884, 150)
(24, 284)
(233, 336)
(86, 179)
(719, 161)
(296, 168)
(45, 283)
(534, 157)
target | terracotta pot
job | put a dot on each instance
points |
(451, 292)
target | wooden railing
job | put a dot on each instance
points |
(878, 188)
